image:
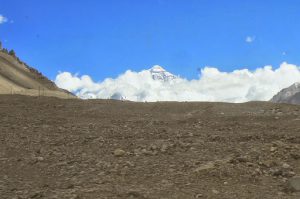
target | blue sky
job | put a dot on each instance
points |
(104, 38)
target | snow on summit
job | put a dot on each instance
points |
(159, 73)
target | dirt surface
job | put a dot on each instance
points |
(55, 148)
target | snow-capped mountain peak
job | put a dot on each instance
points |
(159, 73)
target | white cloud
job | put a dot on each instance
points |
(250, 39)
(3, 19)
(212, 85)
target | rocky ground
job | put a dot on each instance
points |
(54, 148)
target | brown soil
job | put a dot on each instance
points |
(55, 148)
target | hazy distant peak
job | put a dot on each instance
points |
(159, 73)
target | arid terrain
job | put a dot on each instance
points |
(75, 149)
(16, 77)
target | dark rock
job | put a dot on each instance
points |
(294, 184)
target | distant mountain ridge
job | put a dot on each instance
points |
(290, 95)
(16, 77)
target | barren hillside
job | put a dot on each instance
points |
(18, 78)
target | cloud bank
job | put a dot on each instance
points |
(212, 85)
(2, 19)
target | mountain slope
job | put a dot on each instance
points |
(289, 95)
(295, 99)
(18, 78)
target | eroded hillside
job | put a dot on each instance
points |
(17, 77)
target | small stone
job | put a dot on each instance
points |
(134, 194)
(167, 183)
(119, 153)
(171, 170)
(294, 184)
(250, 164)
(192, 148)
(296, 156)
(273, 149)
(284, 179)
(286, 166)
(199, 195)
(225, 183)
(75, 196)
(258, 171)
(68, 186)
(215, 191)
(268, 163)
(38, 151)
(164, 148)
(204, 167)
(146, 152)
(40, 159)
(153, 147)
(291, 173)
(276, 172)
(130, 164)
(37, 195)
(280, 193)
(242, 159)
(136, 152)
